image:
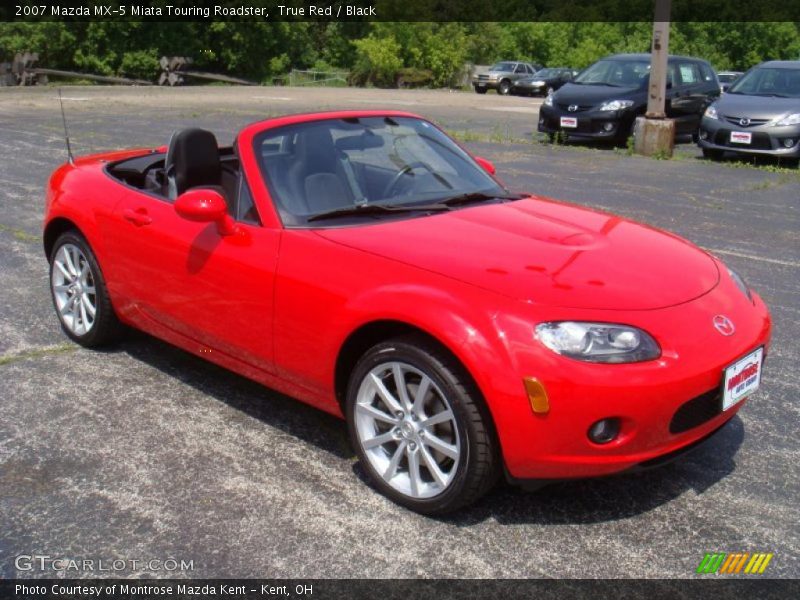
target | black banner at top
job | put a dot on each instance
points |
(396, 10)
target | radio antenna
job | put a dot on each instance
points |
(66, 132)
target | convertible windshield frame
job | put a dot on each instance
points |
(368, 154)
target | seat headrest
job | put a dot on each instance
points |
(193, 159)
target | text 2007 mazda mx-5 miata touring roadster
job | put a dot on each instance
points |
(366, 264)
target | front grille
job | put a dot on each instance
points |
(696, 411)
(760, 141)
(753, 122)
(581, 107)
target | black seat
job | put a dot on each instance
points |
(317, 179)
(192, 161)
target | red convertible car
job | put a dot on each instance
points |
(366, 264)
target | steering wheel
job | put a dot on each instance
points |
(404, 171)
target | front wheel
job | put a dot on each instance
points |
(480, 90)
(79, 292)
(419, 426)
(712, 153)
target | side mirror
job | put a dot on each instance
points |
(486, 165)
(204, 205)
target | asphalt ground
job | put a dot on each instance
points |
(144, 452)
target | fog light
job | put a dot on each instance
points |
(604, 431)
(703, 134)
(788, 142)
(608, 126)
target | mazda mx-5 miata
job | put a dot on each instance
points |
(366, 264)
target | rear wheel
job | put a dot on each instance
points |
(504, 88)
(419, 426)
(79, 292)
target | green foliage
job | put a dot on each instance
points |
(380, 53)
(377, 60)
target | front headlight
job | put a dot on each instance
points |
(537, 83)
(711, 112)
(598, 342)
(792, 119)
(549, 100)
(740, 283)
(615, 105)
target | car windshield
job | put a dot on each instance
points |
(545, 73)
(726, 77)
(367, 167)
(502, 66)
(616, 73)
(769, 81)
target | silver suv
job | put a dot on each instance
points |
(501, 76)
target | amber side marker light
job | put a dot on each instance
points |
(536, 395)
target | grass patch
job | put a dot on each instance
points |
(38, 353)
(20, 234)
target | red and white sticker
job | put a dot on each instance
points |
(742, 378)
(569, 122)
(741, 137)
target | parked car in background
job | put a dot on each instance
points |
(726, 78)
(544, 82)
(759, 114)
(603, 100)
(502, 75)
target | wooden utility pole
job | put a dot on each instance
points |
(655, 133)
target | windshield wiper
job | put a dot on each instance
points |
(478, 197)
(374, 209)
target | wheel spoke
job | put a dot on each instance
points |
(378, 440)
(413, 471)
(61, 288)
(400, 383)
(87, 305)
(422, 392)
(390, 401)
(442, 417)
(376, 413)
(448, 450)
(84, 316)
(434, 469)
(67, 306)
(88, 289)
(75, 315)
(70, 263)
(64, 271)
(396, 458)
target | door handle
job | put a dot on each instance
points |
(138, 217)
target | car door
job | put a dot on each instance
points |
(694, 94)
(678, 101)
(182, 277)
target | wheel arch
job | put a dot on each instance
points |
(374, 332)
(54, 228)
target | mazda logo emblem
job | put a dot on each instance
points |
(724, 325)
(572, 107)
(744, 122)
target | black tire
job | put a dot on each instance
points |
(712, 153)
(106, 327)
(478, 464)
(480, 90)
(504, 88)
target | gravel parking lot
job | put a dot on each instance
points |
(145, 452)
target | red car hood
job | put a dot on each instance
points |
(545, 252)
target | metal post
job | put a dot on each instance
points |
(654, 133)
(658, 61)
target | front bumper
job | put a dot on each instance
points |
(528, 89)
(489, 84)
(715, 134)
(663, 405)
(591, 124)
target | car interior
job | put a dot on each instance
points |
(193, 160)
